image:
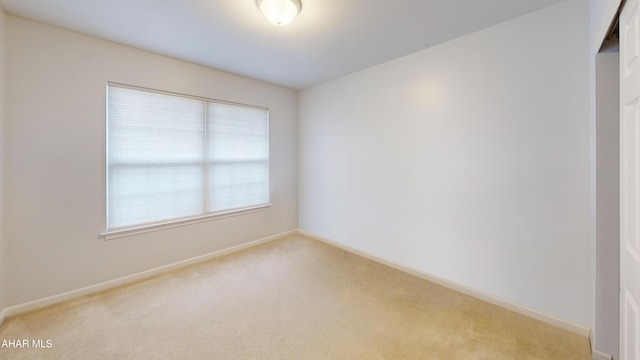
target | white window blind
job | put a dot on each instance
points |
(173, 157)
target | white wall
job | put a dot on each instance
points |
(3, 257)
(469, 161)
(55, 165)
(608, 206)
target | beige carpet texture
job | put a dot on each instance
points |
(294, 298)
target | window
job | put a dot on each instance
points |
(173, 157)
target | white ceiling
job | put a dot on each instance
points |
(329, 39)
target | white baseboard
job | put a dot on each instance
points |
(597, 355)
(549, 319)
(92, 289)
(3, 315)
(535, 314)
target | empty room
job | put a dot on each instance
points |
(319, 179)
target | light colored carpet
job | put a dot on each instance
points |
(294, 298)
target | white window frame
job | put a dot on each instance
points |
(119, 232)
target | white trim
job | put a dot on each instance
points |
(137, 230)
(520, 309)
(597, 355)
(3, 316)
(92, 289)
(187, 96)
(549, 319)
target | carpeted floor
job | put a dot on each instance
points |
(294, 298)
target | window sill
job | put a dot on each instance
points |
(133, 231)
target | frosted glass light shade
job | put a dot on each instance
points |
(279, 12)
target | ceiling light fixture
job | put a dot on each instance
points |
(280, 12)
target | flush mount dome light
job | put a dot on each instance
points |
(280, 12)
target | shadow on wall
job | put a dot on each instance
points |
(607, 198)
